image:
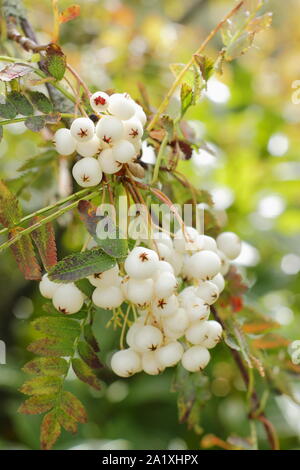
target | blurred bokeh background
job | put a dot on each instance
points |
(251, 118)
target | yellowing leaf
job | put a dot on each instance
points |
(69, 14)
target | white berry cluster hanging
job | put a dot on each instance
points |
(105, 147)
(171, 290)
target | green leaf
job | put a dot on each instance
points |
(41, 386)
(35, 123)
(103, 230)
(90, 338)
(59, 327)
(88, 355)
(21, 103)
(37, 404)
(51, 347)
(66, 421)
(7, 109)
(85, 373)
(206, 66)
(85, 286)
(44, 238)
(51, 366)
(41, 101)
(73, 407)
(24, 254)
(50, 430)
(186, 98)
(41, 160)
(80, 265)
(55, 61)
(10, 209)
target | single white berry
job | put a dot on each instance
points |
(230, 244)
(170, 354)
(64, 142)
(187, 272)
(187, 240)
(147, 338)
(165, 306)
(125, 363)
(208, 243)
(105, 278)
(108, 163)
(68, 299)
(89, 148)
(140, 114)
(135, 327)
(150, 364)
(163, 266)
(82, 129)
(109, 130)
(186, 295)
(195, 358)
(141, 263)
(164, 252)
(204, 264)
(87, 172)
(219, 281)
(178, 321)
(108, 297)
(121, 106)
(133, 130)
(197, 332)
(214, 334)
(99, 101)
(197, 309)
(47, 287)
(225, 263)
(140, 291)
(177, 262)
(208, 292)
(165, 284)
(123, 151)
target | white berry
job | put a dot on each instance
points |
(99, 101)
(147, 338)
(68, 299)
(205, 264)
(195, 359)
(133, 130)
(140, 291)
(197, 332)
(170, 354)
(123, 151)
(165, 284)
(165, 306)
(47, 287)
(230, 244)
(208, 291)
(89, 148)
(121, 106)
(64, 142)
(87, 172)
(214, 334)
(219, 281)
(177, 322)
(108, 297)
(126, 363)
(109, 130)
(82, 129)
(141, 263)
(150, 364)
(105, 278)
(108, 163)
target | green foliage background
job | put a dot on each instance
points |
(119, 44)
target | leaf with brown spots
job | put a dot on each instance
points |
(50, 431)
(44, 238)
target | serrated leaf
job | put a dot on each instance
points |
(70, 13)
(21, 103)
(41, 102)
(80, 265)
(37, 404)
(85, 373)
(99, 227)
(50, 430)
(50, 366)
(90, 338)
(186, 98)
(35, 123)
(73, 407)
(44, 238)
(24, 254)
(10, 209)
(66, 421)
(88, 355)
(38, 161)
(51, 347)
(55, 62)
(12, 71)
(41, 386)
(59, 327)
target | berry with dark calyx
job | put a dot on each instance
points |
(82, 129)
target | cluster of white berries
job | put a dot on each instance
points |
(115, 140)
(171, 326)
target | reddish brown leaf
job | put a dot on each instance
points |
(259, 327)
(66, 421)
(270, 341)
(69, 14)
(73, 407)
(24, 254)
(37, 404)
(44, 238)
(50, 431)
